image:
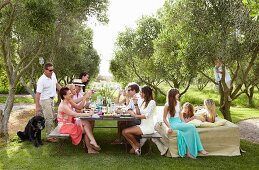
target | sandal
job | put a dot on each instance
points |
(97, 148)
(204, 153)
(53, 140)
(138, 151)
(190, 156)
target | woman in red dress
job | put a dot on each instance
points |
(68, 126)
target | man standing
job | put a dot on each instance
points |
(45, 93)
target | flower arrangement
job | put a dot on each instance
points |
(106, 89)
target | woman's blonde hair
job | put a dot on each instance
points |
(70, 86)
(211, 107)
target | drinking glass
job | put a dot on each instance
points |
(92, 106)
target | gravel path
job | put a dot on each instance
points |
(249, 130)
(20, 107)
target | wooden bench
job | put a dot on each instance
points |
(149, 137)
(55, 134)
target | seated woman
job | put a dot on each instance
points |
(188, 112)
(68, 126)
(145, 113)
(78, 103)
(188, 139)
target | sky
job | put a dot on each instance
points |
(121, 13)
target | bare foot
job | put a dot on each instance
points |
(132, 151)
(190, 156)
(204, 153)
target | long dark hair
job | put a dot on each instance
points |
(171, 99)
(63, 91)
(85, 83)
(148, 94)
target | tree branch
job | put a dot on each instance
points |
(187, 87)
(169, 84)
(150, 84)
(251, 63)
(9, 25)
(29, 64)
(235, 74)
(4, 3)
(208, 77)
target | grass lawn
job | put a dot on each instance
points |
(64, 155)
(18, 99)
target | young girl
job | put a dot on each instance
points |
(188, 112)
(188, 139)
(210, 110)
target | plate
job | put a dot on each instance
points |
(126, 115)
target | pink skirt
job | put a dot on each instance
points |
(74, 130)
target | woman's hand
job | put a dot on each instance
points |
(170, 131)
(88, 94)
(131, 113)
(90, 113)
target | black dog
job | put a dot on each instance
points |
(32, 131)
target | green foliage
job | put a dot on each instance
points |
(160, 99)
(40, 14)
(76, 53)
(171, 44)
(133, 54)
(254, 8)
(18, 99)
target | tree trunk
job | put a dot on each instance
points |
(6, 114)
(155, 93)
(250, 97)
(225, 110)
(27, 87)
(224, 102)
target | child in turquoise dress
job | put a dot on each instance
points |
(188, 139)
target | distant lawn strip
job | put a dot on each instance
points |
(18, 99)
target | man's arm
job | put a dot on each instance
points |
(58, 86)
(37, 100)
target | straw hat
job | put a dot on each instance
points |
(78, 82)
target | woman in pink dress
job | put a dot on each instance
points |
(68, 126)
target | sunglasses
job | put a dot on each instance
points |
(50, 70)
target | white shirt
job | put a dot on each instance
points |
(218, 76)
(47, 86)
(131, 103)
(147, 125)
(77, 96)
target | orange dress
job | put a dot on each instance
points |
(69, 127)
